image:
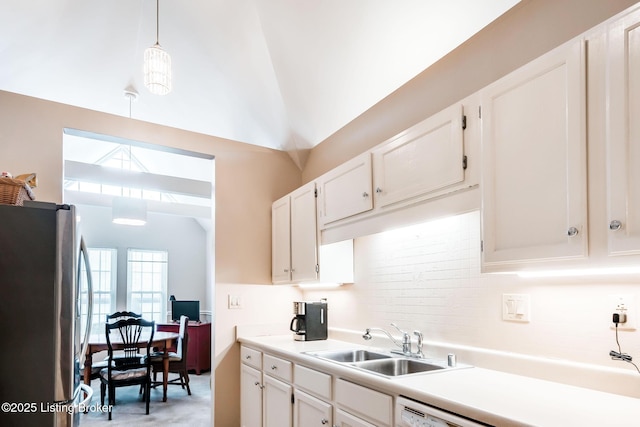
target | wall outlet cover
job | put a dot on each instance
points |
(516, 307)
(623, 304)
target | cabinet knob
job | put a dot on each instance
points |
(324, 421)
(615, 225)
(259, 385)
(378, 190)
(248, 357)
(365, 194)
(572, 231)
(286, 270)
(274, 367)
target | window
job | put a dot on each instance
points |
(147, 283)
(102, 262)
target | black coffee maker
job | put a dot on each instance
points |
(310, 321)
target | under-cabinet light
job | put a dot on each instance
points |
(319, 285)
(603, 271)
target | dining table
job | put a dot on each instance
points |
(163, 341)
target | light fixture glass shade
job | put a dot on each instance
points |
(126, 211)
(157, 70)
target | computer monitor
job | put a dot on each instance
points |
(191, 309)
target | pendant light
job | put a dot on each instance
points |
(157, 64)
(127, 211)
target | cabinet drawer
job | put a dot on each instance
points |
(251, 357)
(312, 381)
(277, 367)
(368, 404)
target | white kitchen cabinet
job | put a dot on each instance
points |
(426, 159)
(277, 403)
(294, 244)
(346, 190)
(265, 392)
(281, 240)
(250, 396)
(311, 412)
(367, 404)
(623, 137)
(533, 184)
(345, 419)
(296, 255)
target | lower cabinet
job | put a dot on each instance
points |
(309, 411)
(278, 393)
(265, 394)
(345, 419)
(250, 396)
(276, 402)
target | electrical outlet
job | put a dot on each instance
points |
(623, 304)
(234, 302)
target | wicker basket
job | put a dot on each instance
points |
(14, 191)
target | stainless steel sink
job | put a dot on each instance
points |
(395, 367)
(350, 356)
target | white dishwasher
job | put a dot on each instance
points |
(415, 414)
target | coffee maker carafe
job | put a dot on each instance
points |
(310, 321)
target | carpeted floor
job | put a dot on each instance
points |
(180, 409)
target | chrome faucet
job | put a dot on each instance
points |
(419, 353)
(406, 338)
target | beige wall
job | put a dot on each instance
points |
(528, 30)
(248, 179)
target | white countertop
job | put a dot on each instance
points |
(489, 396)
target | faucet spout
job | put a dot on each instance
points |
(405, 344)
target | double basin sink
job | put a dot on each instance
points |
(381, 363)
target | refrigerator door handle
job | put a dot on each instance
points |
(89, 391)
(87, 331)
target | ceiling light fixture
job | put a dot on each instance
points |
(127, 211)
(157, 64)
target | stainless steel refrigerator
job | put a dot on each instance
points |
(41, 254)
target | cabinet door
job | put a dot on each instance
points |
(424, 160)
(310, 412)
(281, 241)
(534, 162)
(623, 138)
(250, 396)
(278, 410)
(346, 190)
(344, 419)
(304, 242)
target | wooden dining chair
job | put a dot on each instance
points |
(130, 367)
(177, 359)
(96, 367)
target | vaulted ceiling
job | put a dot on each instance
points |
(284, 74)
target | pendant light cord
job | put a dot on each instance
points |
(157, 22)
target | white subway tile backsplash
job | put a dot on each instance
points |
(427, 277)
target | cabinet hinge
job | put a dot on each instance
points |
(293, 399)
(464, 162)
(317, 268)
(479, 111)
(315, 193)
(481, 245)
(464, 122)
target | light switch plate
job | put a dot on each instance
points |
(234, 302)
(516, 307)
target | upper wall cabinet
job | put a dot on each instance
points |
(425, 159)
(623, 139)
(294, 241)
(296, 256)
(346, 190)
(533, 184)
